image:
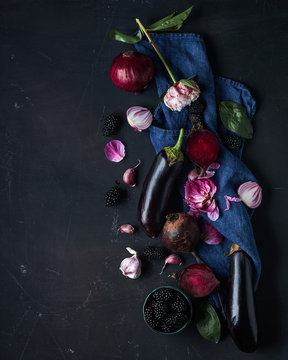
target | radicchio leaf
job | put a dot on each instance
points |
(115, 150)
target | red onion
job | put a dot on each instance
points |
(198, 280)
(132, 71)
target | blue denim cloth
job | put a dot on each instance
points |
(185, 54)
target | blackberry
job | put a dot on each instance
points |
(149, 317)
(149, 313)
(154, 252)
(179, 304)
(160, 309)
(176, 319)
(232, 142)
(166, 328)
(113, 196)
(197, 107)
(163, 294)
(110, 125)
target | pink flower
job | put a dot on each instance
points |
(210, 235)
(199, 197)
(179, 95)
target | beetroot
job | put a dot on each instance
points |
(180, 232)
(202, 147)
(198, 280)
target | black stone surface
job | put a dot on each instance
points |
(62, 294)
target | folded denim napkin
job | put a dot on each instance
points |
(186, 55)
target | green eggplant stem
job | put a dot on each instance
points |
(174, 154)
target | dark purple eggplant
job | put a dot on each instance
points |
(157, 188)
(241, 317)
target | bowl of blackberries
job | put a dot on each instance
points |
(167, 310)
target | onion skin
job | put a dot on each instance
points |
(180, 233)
(202, 147)
(198, 280)
(132, 71)
(241, 317)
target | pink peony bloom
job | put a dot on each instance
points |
(210, 235)
(179, 95)
(199, 197)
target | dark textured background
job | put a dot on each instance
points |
(62, 295)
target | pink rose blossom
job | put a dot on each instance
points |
(179, 95)
(199, 197)
(210, 235)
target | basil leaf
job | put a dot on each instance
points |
(188, 83)
(234, 117)
(162, 96)
(208, 323)
(117, 35)
(155, 26)
(171, 24)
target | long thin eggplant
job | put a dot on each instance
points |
(241, 317)
(157, 188)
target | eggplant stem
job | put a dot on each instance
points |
(142, 28)
(180, 140)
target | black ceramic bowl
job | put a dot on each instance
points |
(188, 313)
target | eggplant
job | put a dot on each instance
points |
(157, 188)
(240, 314)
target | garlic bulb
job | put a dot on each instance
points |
(131, 266)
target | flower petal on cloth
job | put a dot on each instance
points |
(228, 199)
(114, 150)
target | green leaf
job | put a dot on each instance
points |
(170, 23)
(188, 83)
(234, 117)
(162, 96)
(208, 323)
(117, 35)
(191, 77)
(155, 26)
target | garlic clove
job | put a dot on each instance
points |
(171, 259)
(131, 266)
(129, 175)
(139, 118)
(127, 229)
